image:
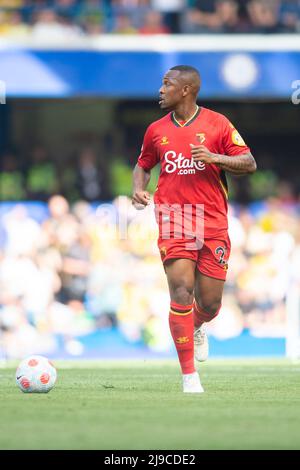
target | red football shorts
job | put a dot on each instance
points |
(211, 256)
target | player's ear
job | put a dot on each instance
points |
(185, 90)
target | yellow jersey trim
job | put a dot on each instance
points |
(186, 122)
(224, 189)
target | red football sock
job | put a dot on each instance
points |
(200, 316)
(182, 330)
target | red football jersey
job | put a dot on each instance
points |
(183, 181)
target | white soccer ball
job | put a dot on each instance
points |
(36, 374)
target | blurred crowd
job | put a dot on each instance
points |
(72, 19)
(80, 268)
(36, 175)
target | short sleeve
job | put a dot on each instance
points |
(149, 156)
(232, 142)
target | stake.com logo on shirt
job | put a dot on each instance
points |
(186, 166)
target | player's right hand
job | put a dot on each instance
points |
(140, 199)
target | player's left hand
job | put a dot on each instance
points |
(201, 153)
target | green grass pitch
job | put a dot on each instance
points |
(247, 404)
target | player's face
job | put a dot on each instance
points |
(170, 93)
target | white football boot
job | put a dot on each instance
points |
(191, 383)
(200, 344)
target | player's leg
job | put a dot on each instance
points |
(207, 304)
(209, 284)
(181, 280)
(208, 298)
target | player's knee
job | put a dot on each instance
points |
(210, 307)
(182, 294)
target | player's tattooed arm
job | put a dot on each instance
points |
(141, 179)
(237, 165)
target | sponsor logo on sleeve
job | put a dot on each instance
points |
(237, 139)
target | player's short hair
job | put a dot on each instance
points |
(188, 69)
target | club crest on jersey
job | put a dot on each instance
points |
(201, 137)
(164, 140)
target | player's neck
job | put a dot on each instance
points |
(185, 112)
